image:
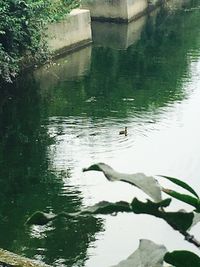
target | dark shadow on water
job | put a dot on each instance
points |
(28, 184)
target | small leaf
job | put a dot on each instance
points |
(182, 258)
(184, 198)
(148, 254)
(181, 183)
(147, 184)
(105, 207)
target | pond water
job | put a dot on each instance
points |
(67, 116)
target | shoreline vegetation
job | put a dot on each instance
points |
(22, 29)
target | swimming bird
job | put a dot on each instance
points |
(124, 131)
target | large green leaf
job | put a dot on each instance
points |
(181, 183)
(182, 258)
(148, 254)
(147, 184)
(184, 198)
(180, 221)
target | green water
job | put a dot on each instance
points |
(60, 119)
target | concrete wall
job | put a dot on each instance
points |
(72, 32)
(117, 10)
(102, 9)
(136, 8)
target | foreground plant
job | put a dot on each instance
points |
(181, 221)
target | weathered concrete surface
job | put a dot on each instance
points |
(136, 8)
(8, 258)
(70, 67)
(106, 9)
(117, 35)
(118, 10)
(71, 33)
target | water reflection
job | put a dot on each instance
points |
(68, 68)
(70, 115)
(176, 4)
(115, 35)
(149, 75)
(29, 183)
(63, 243)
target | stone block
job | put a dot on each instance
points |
(71, 33)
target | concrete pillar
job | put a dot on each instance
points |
(116, 10)
(71, 33)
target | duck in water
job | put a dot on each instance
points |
(124, 131)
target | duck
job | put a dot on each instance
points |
(124, 131)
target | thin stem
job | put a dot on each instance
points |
(190, 238)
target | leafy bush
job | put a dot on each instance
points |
(22, 27)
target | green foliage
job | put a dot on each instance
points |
(181, 221)
(181, 184)
(182, 259)
(22, 27)
(104, 207)
(184, 198)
